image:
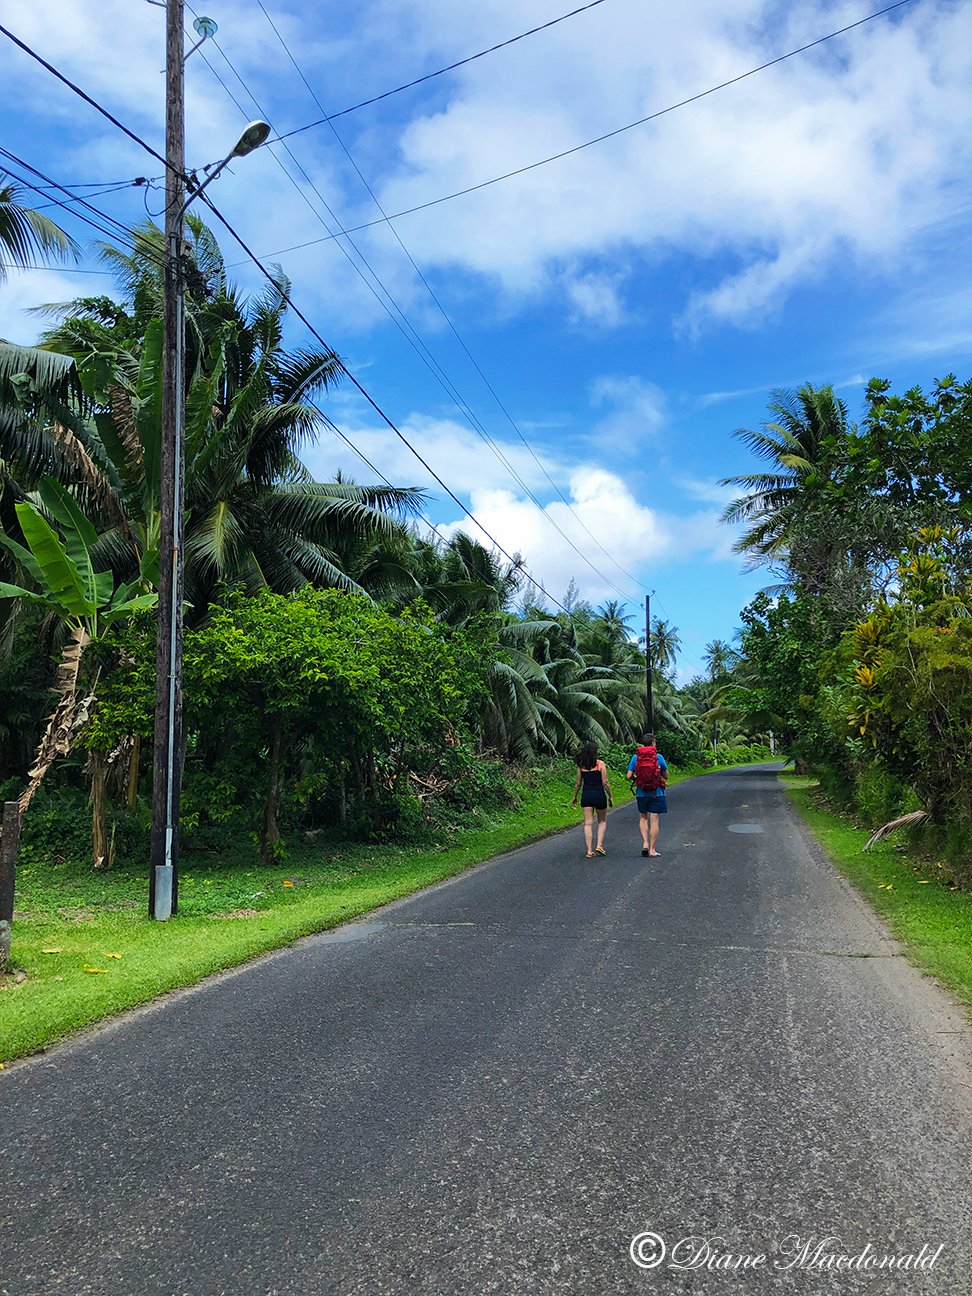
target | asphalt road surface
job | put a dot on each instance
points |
(496, 1085)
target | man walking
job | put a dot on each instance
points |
(649, 769)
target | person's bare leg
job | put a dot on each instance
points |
(589, 828)
(601, 828)
(653, 836)
(643, 825)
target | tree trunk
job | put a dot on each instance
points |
(271, 829)
(133, 759)
(343, 798)
(99, 802)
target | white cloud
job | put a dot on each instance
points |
(847, 151)
(551, 539)
(635, 412)
(456, 453)
(618, 535)
(25, 289)
(710, 492)
(838, 151)
(596, 299)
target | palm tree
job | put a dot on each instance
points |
(462, 578)
(719, 656)
(256, 518)
(26, 235)
(805, 445)
(28, 377)
(666, 643)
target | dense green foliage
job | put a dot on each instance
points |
(862, 661)
(344, 673)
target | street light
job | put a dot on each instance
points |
(253, 136)
(167, 767)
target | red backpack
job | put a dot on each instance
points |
(648, 773)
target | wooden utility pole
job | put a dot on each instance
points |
(8, 866)
(649, 704)
(167, 775)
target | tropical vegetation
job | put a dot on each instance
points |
(860, 656)
(347, 671)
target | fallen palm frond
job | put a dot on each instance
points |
(916, 817)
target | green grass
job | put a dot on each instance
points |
(929, 916)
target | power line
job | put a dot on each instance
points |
(362, 391)
(144, 250)
(98, 220)
(124, 234)
(49, 67)
(13, 265)
(456, 333)
(408, 331)
(109, 221)
(98, 193)
(99, 184)
(555, 157)
(429, 76)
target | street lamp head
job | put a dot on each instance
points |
(254, 135)
(205, 27)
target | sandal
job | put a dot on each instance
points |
(599, 850)
(590, 854)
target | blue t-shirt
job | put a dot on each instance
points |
(649, 792)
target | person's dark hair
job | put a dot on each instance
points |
(587, 756)
(648, 740)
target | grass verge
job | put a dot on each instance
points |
(930, 917)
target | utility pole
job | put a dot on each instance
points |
(167, 772)
(649, 706)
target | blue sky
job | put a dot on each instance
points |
(630, 305)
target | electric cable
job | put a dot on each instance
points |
(455, 331)
(418, 344)
(98, 220)
(429, 76)
(362, 391)
(255, 260)
(517, 563)
(49, 67)
(98, 193)
(555, 157)
(12, 265)
(100, 184)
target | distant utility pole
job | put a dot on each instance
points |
(649, 706)
(167, 773)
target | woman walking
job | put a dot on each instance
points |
(595, 796)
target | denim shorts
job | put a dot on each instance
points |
(652, 803)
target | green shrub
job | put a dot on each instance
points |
(681, 750)
(57, 827)
(879, 796)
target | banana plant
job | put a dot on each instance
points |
(87, 601)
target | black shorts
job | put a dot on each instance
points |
(594, 801)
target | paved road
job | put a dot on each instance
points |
(493, 1086)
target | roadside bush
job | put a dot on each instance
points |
(879, 796)
(57, 828)
(681, 750)
(743, 754)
